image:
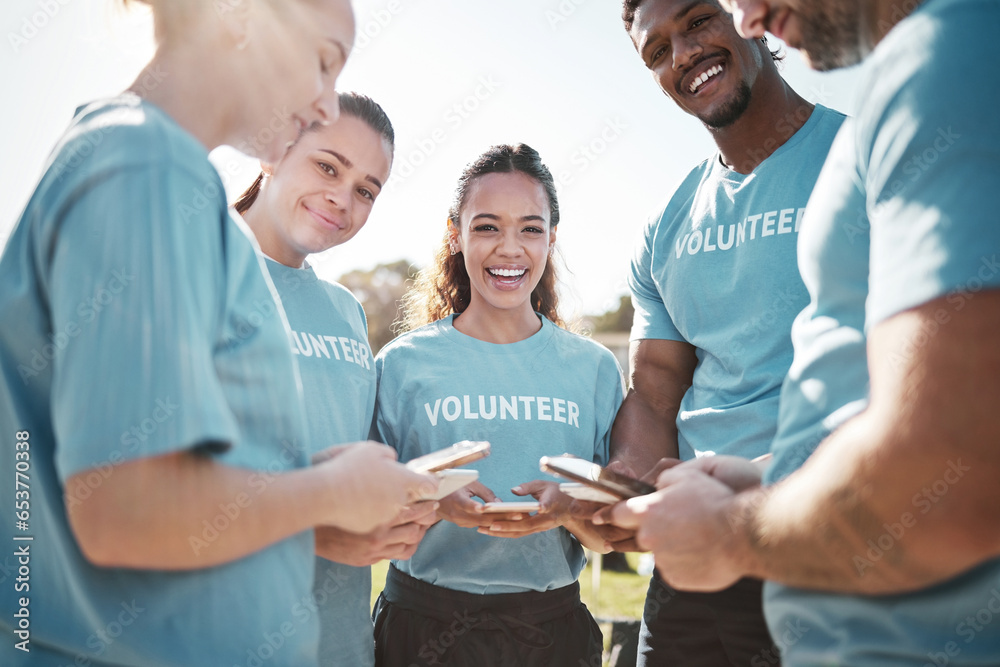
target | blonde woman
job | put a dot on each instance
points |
(148, 394)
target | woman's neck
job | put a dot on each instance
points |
(498, 326)
(264, 231)
(189, 87)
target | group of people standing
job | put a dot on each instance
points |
(795, 384)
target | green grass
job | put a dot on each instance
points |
(621, 595)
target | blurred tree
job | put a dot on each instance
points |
(380, 290)
(619, 319)
(611, 330)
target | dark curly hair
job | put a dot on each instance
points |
(444, 288)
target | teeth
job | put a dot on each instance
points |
(705, 76)
(507, 273)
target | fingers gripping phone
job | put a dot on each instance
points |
(458, 454)
(450, 481)
(579, 491)
(439, 463)
(594, 476)
(513, 506)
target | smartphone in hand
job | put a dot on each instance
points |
(450, 481)
(594, 476)
(458, 454)
(579, 491)
(511, 507)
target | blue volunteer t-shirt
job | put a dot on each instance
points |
(921, 163)
(717, 269)
(137, 321)
(552, 393)
(329, 336)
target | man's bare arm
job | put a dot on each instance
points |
(645, 429)
(918, 468)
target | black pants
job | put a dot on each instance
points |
(720, 629)
(418, 625)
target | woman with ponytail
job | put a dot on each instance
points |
(318, 196)
(150, 400)
(486, 359)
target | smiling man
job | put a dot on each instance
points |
(715, 287)
(883, 546)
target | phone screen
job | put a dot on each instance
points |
(512, 506)
(593, 475)
(458, 454)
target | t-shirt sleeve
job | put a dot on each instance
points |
(651, 319)
(381, 430)
(136, 282)
(612, 393)
(934, 166)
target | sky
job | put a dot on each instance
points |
(455, 77)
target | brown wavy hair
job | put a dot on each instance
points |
(443, 288)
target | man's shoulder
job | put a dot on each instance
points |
(927, 44)
(932, 74)
(811, 143)
(680, 198)
(829, 118)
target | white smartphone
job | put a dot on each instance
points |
(588, 493)
(458, 454)
(512, 507)
(450, 481)
(593, 475)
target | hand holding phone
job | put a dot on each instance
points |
(594, 476)
(579, 491)
(458, 454)
(520, 507)
(450, 481)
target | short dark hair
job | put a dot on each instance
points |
(628, 12)
(629, 8)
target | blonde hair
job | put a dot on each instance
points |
(177, 14)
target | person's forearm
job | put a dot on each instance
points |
(643, 433)
(388, 542)
(586, 535)
(904, 495)
(645, 430)
(185, 511)
(343, 547)
(870, 513)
